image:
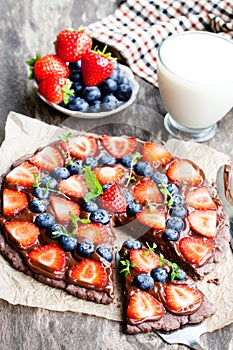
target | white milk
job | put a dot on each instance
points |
(195, 76)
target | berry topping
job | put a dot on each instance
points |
(133, 208)
(90, 161)
(44, 220)
(24, 232)
(85, 249)
(143, 281)
(182, 170)
(63, 207)
(132, 243)
(160, 178)
(180, 275)
(109, 175)
(60, 173)
(48, 182)
(38, 205)
(41, 193)
(177, 199)
(170, 234)
(107, 159)
(146, 192)
(179, 297)
(100, 216)
(14, 202)
(50, 256)
(113, 199)
(200, 199)
(159, 274)
(23, 175)
(91, 272)
(152, 217)
(155, 154)
(74, 186)
(71, 45)
(105, 252)
(178, 211)
(75, 167)
(47, 159)
(90, 207)
(143, 305)
(196, 250)
(143, 168)
(203, 222)
(83, 147)
(94, 231)
(67, 243)
(118, 147)
(175, 223)
(144, 260)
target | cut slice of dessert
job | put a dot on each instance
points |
(158, 294)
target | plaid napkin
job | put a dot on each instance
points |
(138, 27)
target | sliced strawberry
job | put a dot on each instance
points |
(203, 222)
(118, 146)
(108, 174)
(23, 174)
(196, 250)
(182, 170)
(63, 207)
(113, 200)
(180, 296)
(146, 192)
(152, 217)
(14, 202)
(144, 305)
(24, 232)
(47, 159)
(50, 256)
(94, 232)
(155, 154)
(83, 147)
(74, 186)
(200, 199)
(90, 271)
(144, 260)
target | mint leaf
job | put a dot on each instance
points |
(92, 183)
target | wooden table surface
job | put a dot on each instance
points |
(27, 26)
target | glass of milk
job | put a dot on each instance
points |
(195, 78)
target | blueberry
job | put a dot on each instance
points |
(44, 220)
(75, 76)
(75, 167)
(179, 211)
(126, 161)
(95, 107)
(107, 86)
(132, 243)
(110, 102)
(170, 234)
(143, 281)
(38, 205)
(177, 200)
(91, 161)
(55, 231)
(123, 79)
(143, 168)
(77, 65)
(67, 243)
(128, 196)
(41, 193)
(106, 186)
(89, 207)
(107, 159)
(91, 93)
(100, 216)
(77, 86)
(49, 181)
(173, 189)
(159, 274)
(133, 208)
(160, 178)
(105, 252)
(175, 223)
(123, 92)
(60, 173)
(182, 275)
(116, 72)
(85, 248)
(78, 104)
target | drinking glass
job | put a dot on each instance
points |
(195, 78)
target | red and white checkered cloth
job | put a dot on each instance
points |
(138, 27)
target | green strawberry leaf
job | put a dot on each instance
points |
(67, 91)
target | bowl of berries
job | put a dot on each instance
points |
(80, 81)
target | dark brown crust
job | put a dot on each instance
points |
(14, 258)
(172, 322)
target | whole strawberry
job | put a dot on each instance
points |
(96, 67)
(56, 90)
(71, 44)
(46, 66)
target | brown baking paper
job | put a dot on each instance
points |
(24, 135)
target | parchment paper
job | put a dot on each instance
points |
(24, 135)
